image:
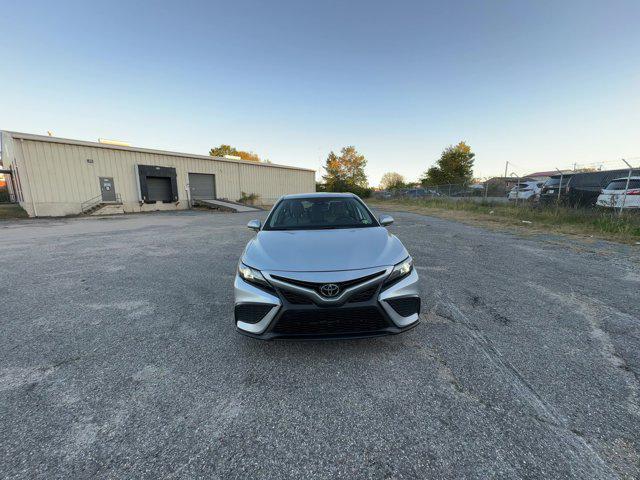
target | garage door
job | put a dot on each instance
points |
(159, 189)
(202, 185)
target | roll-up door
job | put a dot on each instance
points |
(202, 185)
(159, 189)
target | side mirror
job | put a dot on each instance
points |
(385, 220)
(254, 225)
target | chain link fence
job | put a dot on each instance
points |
(487, 191)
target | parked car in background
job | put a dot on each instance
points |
(463, 193)
(613, 195)
(526, 191)
(583, 189)
(551, 188)
(416, 193)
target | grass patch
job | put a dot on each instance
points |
(12, 210)
(591, 222)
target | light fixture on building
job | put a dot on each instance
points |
(119, 143)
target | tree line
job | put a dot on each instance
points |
(345, 171)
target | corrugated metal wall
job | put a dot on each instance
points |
(62, 176)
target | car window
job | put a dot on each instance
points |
(552, 182)
(555, 181)
(622, 184)
(317, 213)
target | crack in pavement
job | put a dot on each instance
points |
(594, 311)
(545, 413)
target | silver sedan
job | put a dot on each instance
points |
(322, 265)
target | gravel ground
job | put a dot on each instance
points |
(118, 359)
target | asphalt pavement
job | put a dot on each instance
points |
(119, 359)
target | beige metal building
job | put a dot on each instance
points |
(52, 176)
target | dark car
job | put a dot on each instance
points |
(583, 189)
(552, 187)
(416, 193)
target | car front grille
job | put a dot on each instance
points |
(316, 285)
(295, 298)
(364, 295)
(331, 321)
(405, 306)
(300, 298)
(252, 312)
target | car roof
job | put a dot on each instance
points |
(318, 195)
(599, 178)
(623, 178)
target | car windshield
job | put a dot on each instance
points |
(555, 181)
(316, 213)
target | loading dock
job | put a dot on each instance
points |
(158, 184)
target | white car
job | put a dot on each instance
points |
(612, 196)
(525, 191)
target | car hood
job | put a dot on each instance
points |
(323, 250)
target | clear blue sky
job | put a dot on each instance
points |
(538, 83)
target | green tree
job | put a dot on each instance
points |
(392, 181)
(223, 150)
(455, 165)
(345, 172)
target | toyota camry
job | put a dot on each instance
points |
(322, 265)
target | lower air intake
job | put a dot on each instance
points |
(405, 306)
(329, 321)
(252, 312)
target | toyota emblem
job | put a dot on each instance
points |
(329, 289)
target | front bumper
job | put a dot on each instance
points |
(377, 310)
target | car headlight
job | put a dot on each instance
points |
(400, 271)
(251, 275)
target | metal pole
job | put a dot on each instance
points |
(506, 165)
(187, 187)
(559, 186)
(517, 186)
(624, 197)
